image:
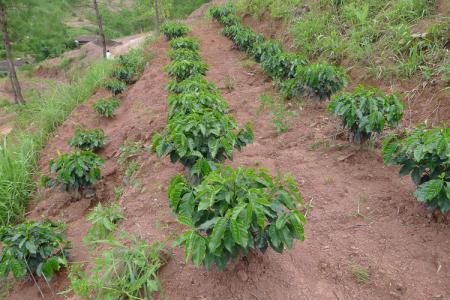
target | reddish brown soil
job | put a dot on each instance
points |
(404, 249)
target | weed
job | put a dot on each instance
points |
(132, 167)
(129, 150)
(248, 64)
(360, 274)
(320, 144)
(281, 117)
(118, 192)
(229, 83)
(104, 221)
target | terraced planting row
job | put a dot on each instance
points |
(423, 153)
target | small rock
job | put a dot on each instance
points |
(242, 275)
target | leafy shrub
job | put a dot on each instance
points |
(364, 112)
(104, 221)
(192, 84)
(181, 70)
(220, 12)
(128, 270)
(106, 107)
(184, 54)
(425, 154)
(123, 74)
(323, 79)
(208, 134)
(243, 37)
(230, 20)
(265, 49)
(116, 86)
(33, 248)
(290, 88)
(89, 139)
(184, 43)
(191, 102)
(131, 66)
(75, 171)
(283, 64)
(174, 30)
(234, 211)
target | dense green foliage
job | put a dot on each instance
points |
(116, 86)
(425, 154)
(208, 134)
(36, 248)
(130, 66)
(365, 112)
(192, 84)
(184, 43)
(183, 69)
(174, 30)
(127, 270)
(324, 80)
(76, 171)
(106, 107)
(184, 54)
(234, 211)
(191, 102)
(89, 139)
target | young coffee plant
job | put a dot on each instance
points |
(324, 80)
(190, 102)
(283, 65)
(290, 88)
(75, 171)
(365, 112)
(131, 66)
(243, 37)
(184, 54)
(425, 154)
(127, 270)
(34, 248)
(235, 211)
(184, 43)
(183, 69)
(89, 139)
(220, 12)
(208, 134)
(106, 107)
(174, 30)
(116, 86)
(104, 221)
(192, 84)
(264, 50)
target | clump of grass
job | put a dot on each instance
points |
(360, 274)
(248, 64)
(320, 144)
(281, 116)
(229, 83)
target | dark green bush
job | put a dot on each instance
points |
(264, 50)
(207, 134)
(184, 43)
(75, 171)
(174, 30)
(283, 64)
(365, 112)
(425, 154)
(106, 107)
(324, 80)
(235, 211)
(192, 84)
(190, 102)
(34, 248)
(220, 12)
(116, 86)
(183, 69)
(184, 54)
(89, 139)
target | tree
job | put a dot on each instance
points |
(157, 22)
(18, 97)
(100, 27)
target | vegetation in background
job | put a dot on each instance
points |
(33, 248)
(365, 112)
(21, 149)
(425, 154)
(235, 211)
(375, 34)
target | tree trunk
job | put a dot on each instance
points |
(18, 98)
(100, 27)
(157, 22)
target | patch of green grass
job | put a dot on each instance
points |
(35, 122)
(360, 274)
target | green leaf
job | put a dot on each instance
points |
(429, 190)
(198, 249)
(217, 234)
(239, 232)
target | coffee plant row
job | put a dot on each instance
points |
(229, 212)
(423, 153)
